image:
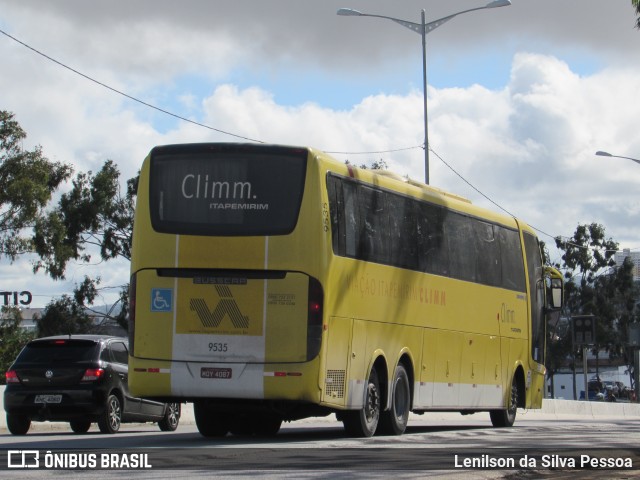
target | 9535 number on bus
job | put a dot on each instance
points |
(218, 347)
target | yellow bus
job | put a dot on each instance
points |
(273, 283)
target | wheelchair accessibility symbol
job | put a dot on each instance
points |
(161, 299)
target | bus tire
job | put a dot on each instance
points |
(242, 424)
(507, 417)
(394, 421)
(364, 422)
(208, 422)
(267, 426)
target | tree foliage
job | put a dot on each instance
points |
(63, 316)
(594, 287)
(12, 338)
(27, 182)
(94, 218)
(636, 5)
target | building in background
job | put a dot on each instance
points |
(634, 257)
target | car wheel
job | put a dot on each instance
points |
(171, 418)
(80, 426)
(109, 421)
(18, 424)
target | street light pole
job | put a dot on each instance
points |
(423, 28)
(607, 154)
(424, 94)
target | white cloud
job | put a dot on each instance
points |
(528, 145)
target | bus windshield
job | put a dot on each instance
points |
(226, 191)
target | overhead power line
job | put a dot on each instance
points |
(224, 132)
(130, 97)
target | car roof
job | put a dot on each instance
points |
(94, 338)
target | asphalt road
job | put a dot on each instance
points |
(441, 446)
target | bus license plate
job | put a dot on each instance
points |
(222, 373)
(48, 399)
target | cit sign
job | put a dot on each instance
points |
(16, 298)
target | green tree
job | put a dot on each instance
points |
(27, 181)
(615, 306)
(587, 254)
(593, 287)
(94, 218)
(64, 316)
(636, 5)
(12, 338)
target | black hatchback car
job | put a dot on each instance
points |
(78, 379)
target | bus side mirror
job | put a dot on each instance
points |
(555, 292)
(556, 300)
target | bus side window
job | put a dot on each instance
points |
(351, 224)
(336, 212)
(462, 247)
(374, 225)
(512, 264)
(489, 264)
(402, 227)
(433, 256)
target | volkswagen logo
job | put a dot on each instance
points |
(48, 373)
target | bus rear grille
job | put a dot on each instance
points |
(335, 383)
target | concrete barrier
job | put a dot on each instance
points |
(550, 409)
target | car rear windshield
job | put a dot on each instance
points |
(226, 189)
(58, 351)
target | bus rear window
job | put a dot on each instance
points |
(226, 189)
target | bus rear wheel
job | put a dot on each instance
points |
(507, 417)
(267, 426)
(394, 421)
(364, 422)
(210, 423)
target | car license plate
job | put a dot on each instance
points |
(221, 373)
(48, 399)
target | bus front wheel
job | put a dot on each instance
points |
(507, 417)
(363, 422)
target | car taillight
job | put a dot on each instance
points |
(11, 377)
(92, 374)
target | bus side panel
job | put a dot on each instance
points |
(423, 398)
(336, 353)
(448, 353)
(535, 393)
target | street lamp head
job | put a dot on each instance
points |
(603, 154)
(348, 12)
(498, 3)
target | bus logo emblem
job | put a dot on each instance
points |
(226, 306)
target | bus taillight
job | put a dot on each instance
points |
(314, 319)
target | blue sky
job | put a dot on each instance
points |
(520, 97)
